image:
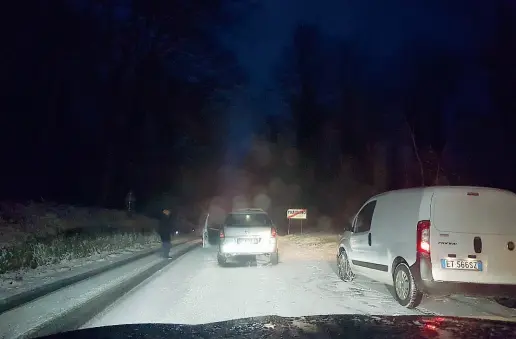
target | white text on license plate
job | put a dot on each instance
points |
(458, 264)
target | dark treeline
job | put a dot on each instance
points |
(431, 113)
(104, 96)
(100, 97)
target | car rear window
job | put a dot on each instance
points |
(246, 220)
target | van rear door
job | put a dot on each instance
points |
(471, 233)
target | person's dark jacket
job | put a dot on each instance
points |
(165, 227)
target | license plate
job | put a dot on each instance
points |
(247, 241)
(458, 264)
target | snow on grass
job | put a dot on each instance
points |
(39, 252)
(309, 246)
(15, 281)
(21, 221)
(42, 234)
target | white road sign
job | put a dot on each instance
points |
(296, 213)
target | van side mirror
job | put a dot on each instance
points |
(348, 227)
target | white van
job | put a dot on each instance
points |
(434, 240)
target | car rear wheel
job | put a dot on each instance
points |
(274, 258)
(405, 288)
(344, 269)
(221, 260)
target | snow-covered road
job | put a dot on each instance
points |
(194, 290)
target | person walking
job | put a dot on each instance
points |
(129, 203)
(165, 228)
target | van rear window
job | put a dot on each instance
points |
(248, 220)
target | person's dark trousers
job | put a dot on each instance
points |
(165, 245)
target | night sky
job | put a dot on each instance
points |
(380, 29)
(347, 85)
(379, 26)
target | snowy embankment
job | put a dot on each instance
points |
(309, 246)
(40, 242)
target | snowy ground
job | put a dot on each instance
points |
(313, 246)
(23, 321)
(194, 290)
(26, 279)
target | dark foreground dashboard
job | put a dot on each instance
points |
(327, 326)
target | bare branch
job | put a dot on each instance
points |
(416, 152)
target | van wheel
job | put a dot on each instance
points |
(344, 269)
(274, 259)
(407, 293)
(221, 260)
(505, 301)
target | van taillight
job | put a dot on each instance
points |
(273, 233)
(423, 237)
(221, 234)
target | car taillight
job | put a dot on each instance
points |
(423, 237)
(221, 234)
(273, 232)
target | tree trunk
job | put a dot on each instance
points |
(416, 152)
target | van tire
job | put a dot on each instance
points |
(221, 260)
(402, 275)
(274, 259)
(343, 267)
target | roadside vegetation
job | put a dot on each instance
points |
(36, 234)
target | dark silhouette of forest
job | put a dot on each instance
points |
(105, 96)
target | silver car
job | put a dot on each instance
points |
(245, 232)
